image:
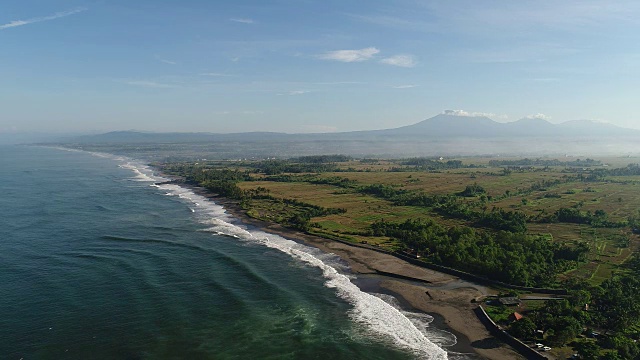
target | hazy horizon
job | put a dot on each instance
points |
(195, 66)
(457, 113)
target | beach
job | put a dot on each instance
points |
(422, 289)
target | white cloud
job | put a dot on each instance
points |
(400, 60)
(538, 116)
(57, 15)
(350, 55)
(149, 84)
(456, 113)
(485, 114)
(471, 114)
(242, 20)
(404, 86)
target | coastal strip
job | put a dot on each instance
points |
(423, 289)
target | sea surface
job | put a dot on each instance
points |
(98, 262)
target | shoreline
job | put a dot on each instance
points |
(447, 298)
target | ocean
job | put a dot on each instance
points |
(98, 262)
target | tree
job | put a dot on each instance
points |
(473, 190)
(523, 328)
(587, 349)
(566, 329)
(300, 222)
(624, 346)
(620, 302)
(611, 355)
(558, 307)
(579, 297)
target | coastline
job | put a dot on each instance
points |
(446, 297)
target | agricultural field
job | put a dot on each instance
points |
(348, 196)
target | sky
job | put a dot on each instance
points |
(313, 66)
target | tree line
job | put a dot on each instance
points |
(545, 162)
(451, 206)
(513, 258)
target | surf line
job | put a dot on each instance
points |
(382, 320)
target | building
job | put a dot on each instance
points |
(515, 316)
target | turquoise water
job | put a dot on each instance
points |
(96, 262)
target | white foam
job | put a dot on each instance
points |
(143, 172)
(422, 322)
(381, 319)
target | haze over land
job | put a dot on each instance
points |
(446, 134)
(319, 66)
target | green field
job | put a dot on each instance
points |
(535, 191)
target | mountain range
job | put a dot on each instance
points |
(441, 135)
(441, 126)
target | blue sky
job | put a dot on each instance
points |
(312, 66)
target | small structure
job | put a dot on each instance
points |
(515, 317)
(509, 301)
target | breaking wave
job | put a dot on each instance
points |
(379, 315)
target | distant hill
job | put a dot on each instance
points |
(589, 127)
(481, 127)
(443, 134)
(439, 127)
(444, 125)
